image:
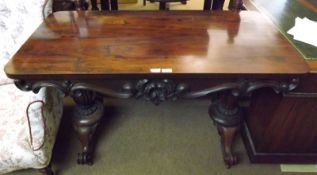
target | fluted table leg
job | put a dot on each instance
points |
(88, 112)
(227, 116)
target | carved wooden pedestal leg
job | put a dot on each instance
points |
(87, 114)
(227, 116)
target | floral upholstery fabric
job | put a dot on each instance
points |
(3, 78)
(26, 144)
(28, 122)
(18, 20)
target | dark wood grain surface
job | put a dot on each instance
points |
(281, 129)
(189, 42)
(221, 55)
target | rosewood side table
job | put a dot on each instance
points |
(158, 56)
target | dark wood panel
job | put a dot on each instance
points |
(274, 157)
(192, 42)
(281, 128)
(268, 133)
(308, 84)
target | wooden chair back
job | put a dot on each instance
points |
(107, 5)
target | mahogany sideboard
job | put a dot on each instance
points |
(228, 57)
(285, 130)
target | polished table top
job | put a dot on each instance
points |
(101, 44)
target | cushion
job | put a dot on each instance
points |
(29, 124)
(18, 20)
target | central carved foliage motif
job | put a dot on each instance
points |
(158, 91)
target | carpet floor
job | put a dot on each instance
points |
(136, 137)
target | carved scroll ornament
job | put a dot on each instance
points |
(73, 89)
(245, 87)
(160, 90)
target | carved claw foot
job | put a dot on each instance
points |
(85, 158)
(87, 115)
(227, 135)
(227, 116)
